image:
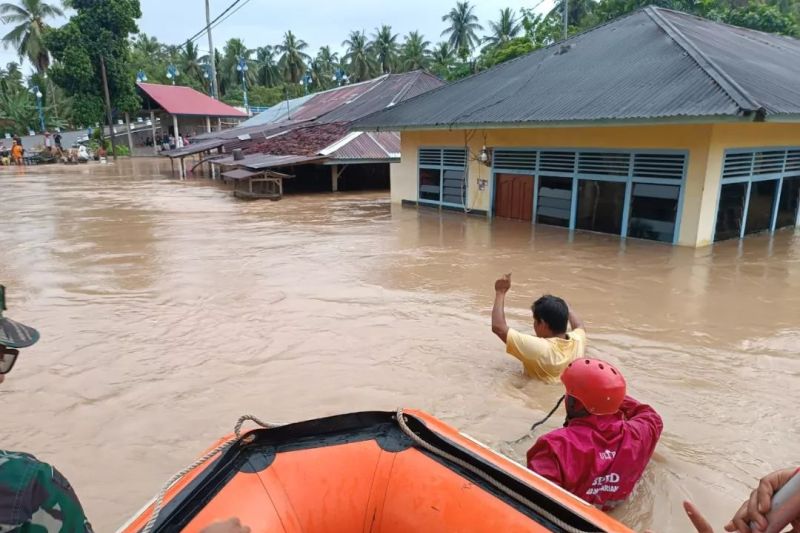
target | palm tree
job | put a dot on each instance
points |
(190, 62)
(442, 59)
(293, 59)
(234, 51)
(384, 46)
(324, 67)
(147, 46)
(267, 68)
(359, 61)
(463, 25)
(414, 53)
(27, 37)
(504, 29)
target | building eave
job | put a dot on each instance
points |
(604, 123)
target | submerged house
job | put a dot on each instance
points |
(310, 138)
(658, 125)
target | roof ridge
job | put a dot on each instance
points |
(404, 89)
(747, 104)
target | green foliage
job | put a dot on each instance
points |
(261, 96)
(505, 51)
(98, 29)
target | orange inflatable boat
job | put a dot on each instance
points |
(376, 472)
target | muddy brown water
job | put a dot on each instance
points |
(168, 308)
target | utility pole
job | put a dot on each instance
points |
(566, 17)
(212, 56)
(108, 108)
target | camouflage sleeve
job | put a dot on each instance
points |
(37, 498)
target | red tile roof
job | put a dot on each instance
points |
(179, 100)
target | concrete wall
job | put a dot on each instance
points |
(704, 142)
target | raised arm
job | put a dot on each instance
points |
(575, 321)
(499, 324)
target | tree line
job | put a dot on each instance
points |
(67, 61)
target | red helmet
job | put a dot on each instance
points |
(596, 384)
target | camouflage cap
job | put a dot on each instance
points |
(16, 335)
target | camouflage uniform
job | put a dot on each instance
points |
(36, 498)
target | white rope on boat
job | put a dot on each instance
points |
(159, 501)
(401, 421)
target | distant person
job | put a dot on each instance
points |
(57, 139)
(47, 141)
(17, 153)
(34, 496)
(546, 355)
(607, 439)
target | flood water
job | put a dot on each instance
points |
(168, 309)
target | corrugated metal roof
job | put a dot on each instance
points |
(276, 113)
(764, 65)
(179, 100)
(262, 161)
(194, 148)
(651, 64)
(323, 119)
(384, 146)
(386, 91)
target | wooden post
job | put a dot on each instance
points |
(334, 178)
(208, 124)
(172, 165)
(108, 107)
(130, 136)
(153, 127)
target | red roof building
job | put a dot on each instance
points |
(184, 112)
(185, 101)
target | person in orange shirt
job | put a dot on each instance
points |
(17, 152)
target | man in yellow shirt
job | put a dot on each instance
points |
(546, 355)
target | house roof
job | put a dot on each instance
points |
(264, 161)
(180, 100)
(323, 120)
(653, 64)
(364, 146)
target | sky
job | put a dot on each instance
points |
(318, 22)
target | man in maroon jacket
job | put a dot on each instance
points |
(606, 442)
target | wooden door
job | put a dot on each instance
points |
(513, 196)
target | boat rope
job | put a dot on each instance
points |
(401, 421)
(159, 501)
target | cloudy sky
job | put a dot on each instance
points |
(318, 22)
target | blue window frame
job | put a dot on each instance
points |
(442, 176)
(759, 191)
(630, 193)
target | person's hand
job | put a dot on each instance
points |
(698, 520)
(700, 524)
(758, 505)
(503, 284)
(231, 525)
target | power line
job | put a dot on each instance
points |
(215, 22)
